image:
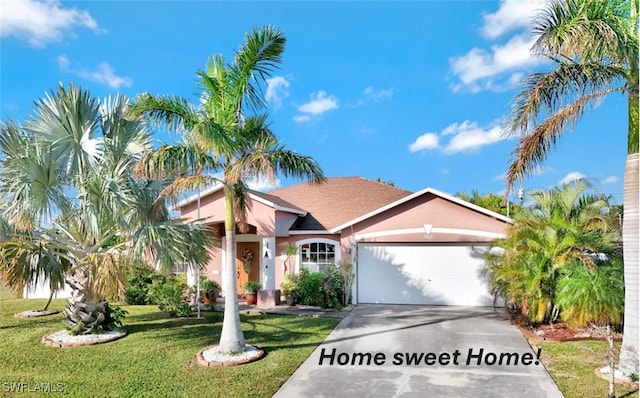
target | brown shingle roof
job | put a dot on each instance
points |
(337, 201)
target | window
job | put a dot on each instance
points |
(317, 256)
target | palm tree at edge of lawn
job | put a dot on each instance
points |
(593, 45)
(226, 135)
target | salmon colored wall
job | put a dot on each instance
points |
(212, 210)
(213, 269)
(427, 209)
(281, 242)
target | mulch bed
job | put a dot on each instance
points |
(561, 332)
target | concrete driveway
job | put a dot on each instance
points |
(422, 351)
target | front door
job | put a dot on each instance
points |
(248, 263)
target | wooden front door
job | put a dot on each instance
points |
(248, 259)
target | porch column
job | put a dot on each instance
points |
(268, 263)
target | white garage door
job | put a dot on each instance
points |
(422, 274)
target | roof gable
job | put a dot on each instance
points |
(269, 200)
(416, 195)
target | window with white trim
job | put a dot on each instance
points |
(317, 256)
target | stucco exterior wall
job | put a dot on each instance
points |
(414, 214)
(212, 210)
(281, 242)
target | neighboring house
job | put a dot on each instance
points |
(407, 248)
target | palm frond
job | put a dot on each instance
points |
(255, 60)
(68, 121)
(533, 148)
(589, 29)
(173, 112)
(169, 161)
(126, 136)
(172, 242)
(542, 93)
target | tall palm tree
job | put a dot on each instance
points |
(66, 175)
(593, 45)
(226, 134)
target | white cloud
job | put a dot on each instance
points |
(462, 137)
(571, 177)
(511, 15)
(319, 104)
(469, 137)
(498, 69)
(41, 22)
(610, 180)
(503, 65)
(262, 184)
(103, 74)
(540, 170)
(425, 142)
(277, 90)
(301, 118)
(370, 94)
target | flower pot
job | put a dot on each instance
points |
(251, 298)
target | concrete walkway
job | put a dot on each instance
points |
(422, 351)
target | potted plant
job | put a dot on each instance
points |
(251, 292)
(210, 290)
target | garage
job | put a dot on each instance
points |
(430, 274)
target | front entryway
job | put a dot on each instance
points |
(247, 263)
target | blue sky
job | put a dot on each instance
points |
(412, 92)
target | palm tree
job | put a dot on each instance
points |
(66, 177)
(593, 45)
(563, 229)
(226, 133)
(490, 201)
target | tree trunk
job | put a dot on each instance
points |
(630, 351)
(46, 306)
(231, 338)
(84, 313)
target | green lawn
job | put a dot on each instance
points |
(156, 358)
(572, 365)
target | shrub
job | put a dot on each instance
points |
(140, 279)
(210, 289)
(172, 295)
(323, 289)
(252, 287)
(592, 296)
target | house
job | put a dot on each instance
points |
(407, 248)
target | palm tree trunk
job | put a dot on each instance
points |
(46, 306)
(231, 338)
(84, 312)
(630, 350)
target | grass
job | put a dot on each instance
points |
(157, 356)
(572, 365)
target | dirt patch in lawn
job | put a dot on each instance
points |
(562, 332)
